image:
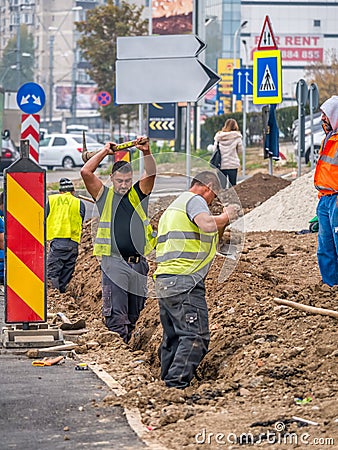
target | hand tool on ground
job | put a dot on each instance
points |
(68, 325)
(47, 361)
(81, 366)
(40, 352)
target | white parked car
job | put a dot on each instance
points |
(317, 120)
(64, 150)
(318, 136)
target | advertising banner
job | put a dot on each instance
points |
(297, 49)
(172, 17)
(86, 97)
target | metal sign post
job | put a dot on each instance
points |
(244, 135)
(314, 102)
(140, 127)
(188, 145)
(243, 86)
(301, 95)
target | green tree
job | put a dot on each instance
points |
(12, 76)
(325, 76)
(100, 30)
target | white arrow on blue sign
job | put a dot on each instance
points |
(30, 98)
(243, 81)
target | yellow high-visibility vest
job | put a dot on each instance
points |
(102, 245)
(64, 219)
(182, 247)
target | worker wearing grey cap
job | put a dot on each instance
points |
(65, 215)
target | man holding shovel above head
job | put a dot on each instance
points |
(124, 236)
(65, 215)
(326, 181)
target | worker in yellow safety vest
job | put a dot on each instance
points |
(65, 215)
(124, 236)
(186, 245)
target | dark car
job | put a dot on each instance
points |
(9, 154)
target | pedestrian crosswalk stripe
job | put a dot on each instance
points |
(267, 83)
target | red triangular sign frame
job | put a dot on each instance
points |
(267, 39)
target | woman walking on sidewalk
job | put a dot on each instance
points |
(230, 144)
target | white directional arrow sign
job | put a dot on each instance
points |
(171, 46)
(162, 80)
(161, 69)
(24, 99)
(36, 99)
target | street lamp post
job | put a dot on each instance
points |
(245, 110)
(242, 25)
(77, 10)
(18, 41)
(12, 67)
(51, 68)
(18, 49)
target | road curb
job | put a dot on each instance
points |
(133, 415)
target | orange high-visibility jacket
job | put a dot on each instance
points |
(326, 174)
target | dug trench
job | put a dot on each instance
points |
(270, 375)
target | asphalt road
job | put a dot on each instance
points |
(57, 407)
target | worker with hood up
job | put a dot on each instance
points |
(326, 182)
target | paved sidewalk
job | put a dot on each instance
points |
(57, 407)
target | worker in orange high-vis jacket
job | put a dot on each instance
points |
(326, 181)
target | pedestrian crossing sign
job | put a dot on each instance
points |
(267, 77)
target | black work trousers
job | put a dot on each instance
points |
(184, 318)
(124, 291)
(61, 262)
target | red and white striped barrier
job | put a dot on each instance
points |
(30, 127)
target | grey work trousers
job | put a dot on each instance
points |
(184, 318)
(61, 262)
(124, 291)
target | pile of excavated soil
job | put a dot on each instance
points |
(267, 364)
(257, 189)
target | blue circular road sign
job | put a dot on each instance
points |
(30, 98)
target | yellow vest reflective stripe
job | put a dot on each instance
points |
(182, 247)
(64, 219)
(102, 246)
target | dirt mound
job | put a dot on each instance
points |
(266, 365)
(257, 189)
